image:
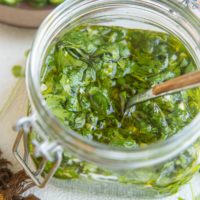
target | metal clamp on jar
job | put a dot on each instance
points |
(49, 151)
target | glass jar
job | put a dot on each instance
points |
(153, 171)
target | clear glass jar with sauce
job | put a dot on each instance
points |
(156, 170)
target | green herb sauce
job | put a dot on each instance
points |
(88, 76)
(91, 72)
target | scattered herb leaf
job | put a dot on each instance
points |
(18, 71)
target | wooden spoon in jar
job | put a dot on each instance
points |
(190, 80)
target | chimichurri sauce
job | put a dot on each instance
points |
(92, 71)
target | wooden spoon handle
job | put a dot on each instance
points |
(177, 83)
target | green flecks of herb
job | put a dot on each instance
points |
(180, 198)
(99, 68)
(18, 71)
(26, 53)
(99, 102)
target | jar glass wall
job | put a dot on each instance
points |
(157, 170)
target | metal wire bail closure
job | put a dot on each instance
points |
(48, 151)
(193, 5)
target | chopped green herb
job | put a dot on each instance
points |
(18, 71)
(33, 3)
(97, 69)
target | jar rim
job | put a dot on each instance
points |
(92, 151)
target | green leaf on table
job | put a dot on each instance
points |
(18, 71)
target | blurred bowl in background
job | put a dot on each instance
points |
(23, 15)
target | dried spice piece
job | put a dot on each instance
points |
(5, 173)
(29, 197)
(13, 185)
